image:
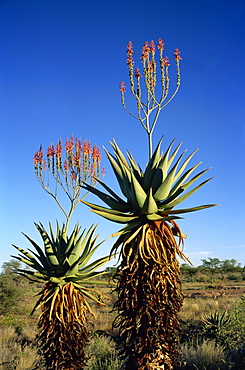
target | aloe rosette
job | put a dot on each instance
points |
(150, 195)
(149, 289)
(65, 268)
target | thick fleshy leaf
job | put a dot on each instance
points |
(164, 189)
(51, 257)
(151, 167)
(158, 217)
(182, 168)
(138, 192)
(114, 195)
(150, 205)
(118, 219)
(111, 202)
(123, 180)
(192, 209)
(183, 178)
(119, 154)
(135, 224)
(41, 255)
(108, 210)
(187, 195)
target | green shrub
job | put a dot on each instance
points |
(102, 354)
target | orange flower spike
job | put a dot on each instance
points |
(58, 155)
(96, 153)
(73, 175)
(72, 142)
(166, 61)
(137, 73)
(38, 156)
(50, 156)
(77, 156)
(152, 47)
(160, 45)
(130, 54)
(145, 52)
(122, 87)
(96, 159)
(39, 162)
(66, 165)
(177, 55)
(59, 149)
(51, 151)
(130, 48)
(69, 145)
(86, 149)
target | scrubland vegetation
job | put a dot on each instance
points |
(213, 328)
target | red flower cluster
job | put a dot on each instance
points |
(137, 73)
(81, 160)
(166, 61)
(145, 51)
(152, 47)
(160, 44)
(130, 54)
(38, 157)
(122, 87)
(177, 55)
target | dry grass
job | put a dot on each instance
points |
(204, 356)
(104, 318)
(194, 309)
(13, 355)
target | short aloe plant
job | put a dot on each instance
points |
(214, 322)
(63, 264)
(149, 289)
(65, 269)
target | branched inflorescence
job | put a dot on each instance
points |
(151, 102)
(79, 162)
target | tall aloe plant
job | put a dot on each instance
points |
(63, 263)
(149, 288)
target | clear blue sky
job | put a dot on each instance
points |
(60, 67)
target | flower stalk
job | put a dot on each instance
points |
(148, 111)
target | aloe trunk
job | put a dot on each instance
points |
(67, 325)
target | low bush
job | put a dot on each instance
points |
(102, 354)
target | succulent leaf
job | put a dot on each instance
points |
(120, 175)
(183, 178)
(138, 192)
(110, 190)
(164, 163)
(113, 203)
(151, 167)
(187, 195)
(158, 217)
(116, 218)
(149, 205)
(192, 209)
(104, 209)
(174, 155)
(184, 165)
